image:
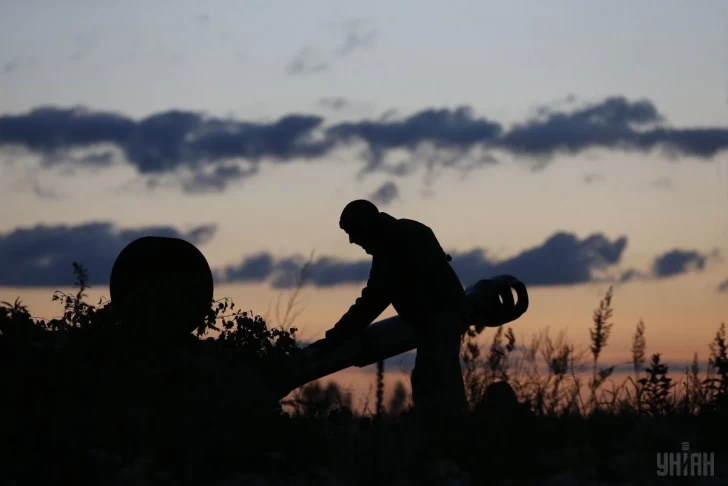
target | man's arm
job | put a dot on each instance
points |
(373, 301)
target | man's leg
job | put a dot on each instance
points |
(438, 372)
(437, 382)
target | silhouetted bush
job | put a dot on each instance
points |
(88, 393)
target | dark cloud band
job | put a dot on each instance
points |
(173, 140)
(563, 259)
(42, 256)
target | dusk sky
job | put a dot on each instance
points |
(575, 145)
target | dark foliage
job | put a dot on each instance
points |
(87, 396)
(87, 400)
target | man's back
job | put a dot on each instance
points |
(415, 270)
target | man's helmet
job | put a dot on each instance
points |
(358, 215)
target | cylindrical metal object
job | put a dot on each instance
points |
(491, 304)
(157, 280)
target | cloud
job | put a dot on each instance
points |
(218, 179)
(306, 61)
(457, 128)
(45, 192)
(676, 262)
(723, 287)
(548, 108)
(162, 142)
(47, 129)
(357, 34)
(563, 259)
(632, 274)
(608, 123)
(70, 161)
(434, 138)
(385, 194)
(167, 142)
(33, 183)
(615, 123)
(42, 255)
(15, 64)
(176, 142)
(323, 272)
(333, 103)
(672, 263)
(10, 66)
(255, 268)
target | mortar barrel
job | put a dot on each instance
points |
(491, 303)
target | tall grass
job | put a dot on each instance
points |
(571, 414)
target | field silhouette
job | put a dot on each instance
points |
(89, 401)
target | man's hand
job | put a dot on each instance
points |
(332, 340)
(337, 335)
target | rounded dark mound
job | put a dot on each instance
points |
(500, 394)
(161, 282)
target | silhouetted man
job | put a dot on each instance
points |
(411, 271)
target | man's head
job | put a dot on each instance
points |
(359, 219)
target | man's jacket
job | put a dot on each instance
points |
(410, 271)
